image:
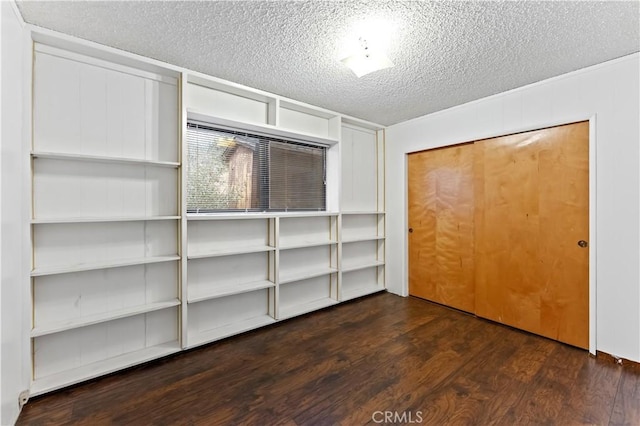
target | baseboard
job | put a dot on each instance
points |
(617, 360)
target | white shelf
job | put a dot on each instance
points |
(359, 292)
(228, 251)
(53, 270)
(359, 266)
(229, 290)
(103, 159)
(196, 339)
(304, 244)
(102, 219)
(57, 327)
(99, 368)
(288, 277)
(227, 216)
(286, 215)
(358, 239)
(363, 212)
(256, 215)
(304, 308)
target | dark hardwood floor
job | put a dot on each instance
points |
(419, 362)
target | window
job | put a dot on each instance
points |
(236, 171)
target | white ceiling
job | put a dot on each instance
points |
(446, 53)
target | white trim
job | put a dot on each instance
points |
(593, 246)
(89, 48)
(592, 206)
(360, 122)
(571, 74)
(27, 206)
(351, 126)
(512, 131)
(16, 11)
(101, 63)
(306, 109)
(183, 338)
(233, 89)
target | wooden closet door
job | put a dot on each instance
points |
(441, 214)
(532, 210)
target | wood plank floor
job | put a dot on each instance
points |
(349, 364)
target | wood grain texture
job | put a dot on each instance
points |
(441, 215)
(532, 208)
(341, 365)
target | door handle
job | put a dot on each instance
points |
(583, 243)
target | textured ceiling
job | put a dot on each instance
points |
(446, 53)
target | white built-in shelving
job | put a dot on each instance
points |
(269, 266)
(362, 253)
(105, 217)
(121, 272)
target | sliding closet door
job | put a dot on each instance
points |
(532, 231)
(441, 234)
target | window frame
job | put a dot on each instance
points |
(264, 138)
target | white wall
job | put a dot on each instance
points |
(14, 329)
(611, 92)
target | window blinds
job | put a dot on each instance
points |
(235, 171)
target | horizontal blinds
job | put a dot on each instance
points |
(235, 171)
(296, 177)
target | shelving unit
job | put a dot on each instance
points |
(363, 254)
(71, 356)
(308, 264)
(121, 274)
(105, 163)
(224, 316)
(231, 264)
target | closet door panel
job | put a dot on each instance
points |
(532, 194)
(441, 222)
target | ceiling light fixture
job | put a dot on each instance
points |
(366, 60)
